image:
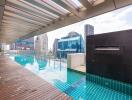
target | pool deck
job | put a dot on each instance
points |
(17, 83)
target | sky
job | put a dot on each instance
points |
(120, 19)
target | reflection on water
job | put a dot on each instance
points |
(42, 68)
(72, 83)
(24, 60)
(30, 60)
(48, 71)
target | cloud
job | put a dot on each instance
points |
(112, 21)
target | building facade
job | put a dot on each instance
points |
(55, 47)
(73, 43)
(12, 46)
(41, 44)
(88, 30)
(27, 44)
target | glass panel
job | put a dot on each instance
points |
(95, 2)
(78, 4)
(40, 9)
(52, 5)
(32, 8)
(22, 18)
(27, 15)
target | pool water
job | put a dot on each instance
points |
(72, 83)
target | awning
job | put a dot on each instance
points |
(26, 18)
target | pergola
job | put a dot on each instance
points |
(21, 19)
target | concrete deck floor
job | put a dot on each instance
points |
(17, 83)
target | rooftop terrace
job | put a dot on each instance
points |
(17, 83)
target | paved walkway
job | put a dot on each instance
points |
(17, 83)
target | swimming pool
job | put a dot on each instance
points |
(72, 83)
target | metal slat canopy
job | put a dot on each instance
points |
(26, 18)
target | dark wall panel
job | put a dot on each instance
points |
(110, 55)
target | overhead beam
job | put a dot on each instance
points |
(56, 25)
(22, 18)
(41, 4)
(100, 9)
(17, 20)
(85, 3)
(122, 3)
(91, 11)
(49, 14)
(17, 6)
(16, 25)
(25, 14)
(2, 4)
(108, 5)
(1, 13)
